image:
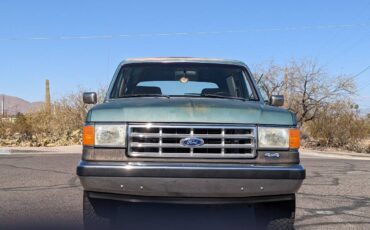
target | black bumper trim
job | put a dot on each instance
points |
(192, 200)
(296, 172)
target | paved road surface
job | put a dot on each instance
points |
(43, 188)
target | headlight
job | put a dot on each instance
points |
(281, 138)
(110, 135)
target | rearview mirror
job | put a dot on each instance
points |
(276, 100)
(90, 98)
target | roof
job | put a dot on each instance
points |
(182, 60)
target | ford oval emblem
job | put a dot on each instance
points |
(272, 155)
(192, 142)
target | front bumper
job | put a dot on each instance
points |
(189, 179)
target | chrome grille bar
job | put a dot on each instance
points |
(247, 136)
(161, 145)
(163, 140)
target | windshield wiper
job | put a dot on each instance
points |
(144, 95)
(215, 96)
(222, 96)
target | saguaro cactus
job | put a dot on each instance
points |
(47, 97)
(3, 105)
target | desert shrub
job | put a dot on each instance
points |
(367, 150)
(339, 125)
(21, 125)
(61, 125)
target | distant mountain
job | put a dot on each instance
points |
(14, 105)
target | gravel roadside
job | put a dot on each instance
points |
(43, 150)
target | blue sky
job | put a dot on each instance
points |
(34, 42)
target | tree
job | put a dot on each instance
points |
(306, 86)
(269, 79)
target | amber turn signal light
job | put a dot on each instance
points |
(88, 136)
(294, 139)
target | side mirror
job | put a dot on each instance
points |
(90, 98)
(276, 100)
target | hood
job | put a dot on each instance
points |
(195, 110)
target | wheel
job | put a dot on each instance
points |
(276, 215)
(97, 213)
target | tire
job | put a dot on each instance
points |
(278, 215)
(97, 213)
(281, 224)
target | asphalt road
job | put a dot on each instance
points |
(37, 189)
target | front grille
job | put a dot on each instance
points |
(155, 140)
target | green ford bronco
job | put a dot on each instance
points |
(189, 130)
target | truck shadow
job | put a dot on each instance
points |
(181, 216)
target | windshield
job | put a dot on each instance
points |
(185, 80)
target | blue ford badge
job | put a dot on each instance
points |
(192, 142)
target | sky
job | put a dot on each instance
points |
(78, 44)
